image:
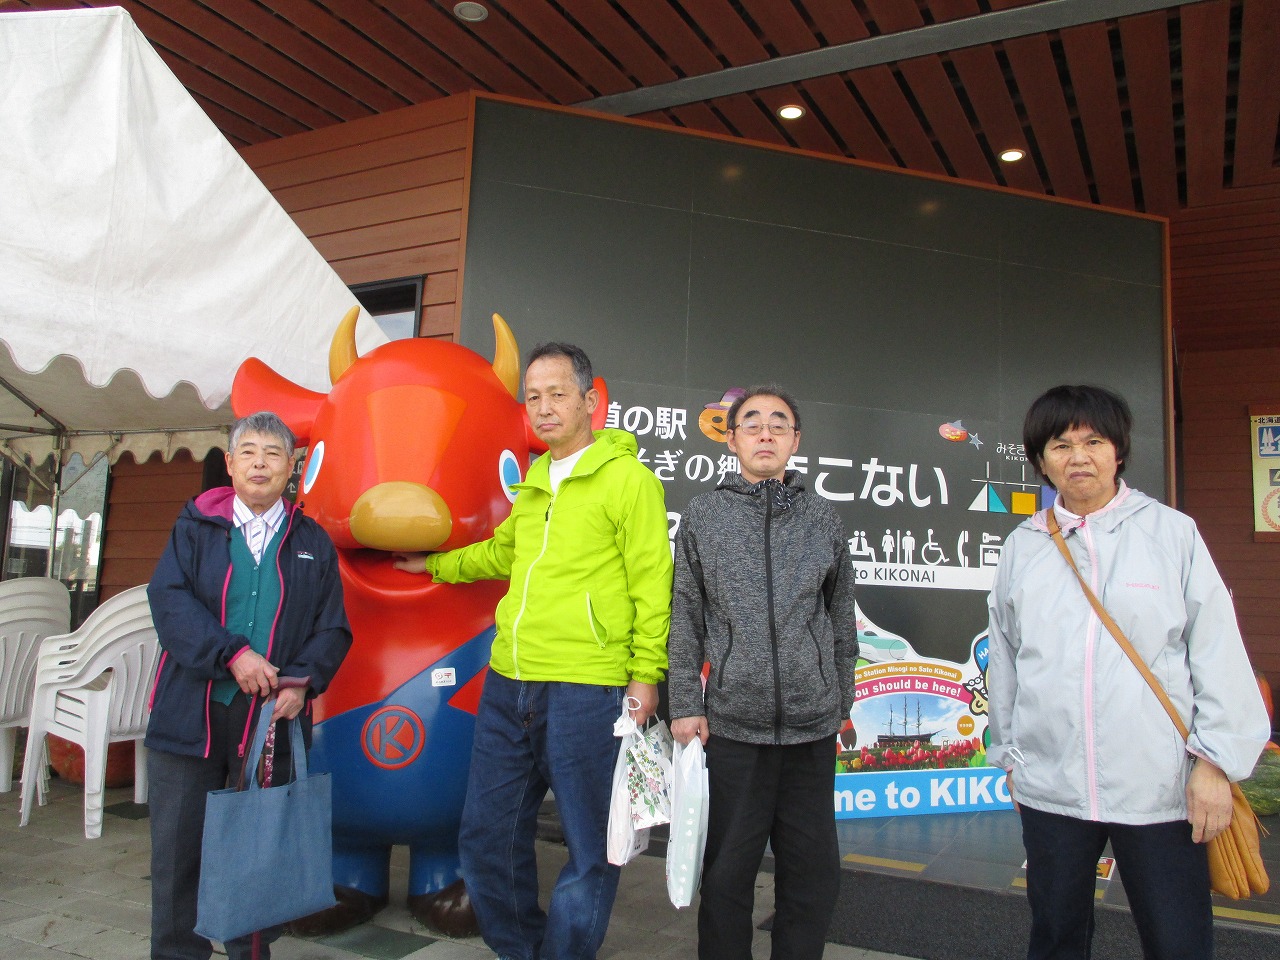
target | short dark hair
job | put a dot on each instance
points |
(574, 354)
(1065, 408)
(765, 390)
(266, 423)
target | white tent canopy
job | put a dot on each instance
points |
(141, 260)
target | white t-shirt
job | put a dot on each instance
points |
(559, 469)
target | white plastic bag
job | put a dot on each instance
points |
(689, 806)
(649, 776)
(625, 842)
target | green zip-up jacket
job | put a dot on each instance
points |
(590, 571)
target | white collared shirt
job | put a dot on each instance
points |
(258, 529)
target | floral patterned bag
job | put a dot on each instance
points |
(650, 775)
(624, 841)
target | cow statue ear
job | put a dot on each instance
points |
(257, 387)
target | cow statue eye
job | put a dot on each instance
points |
(314, 461)
(508, 473)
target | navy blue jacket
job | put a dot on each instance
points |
(188, 595)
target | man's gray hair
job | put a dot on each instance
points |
(266, 423)
(582, 373)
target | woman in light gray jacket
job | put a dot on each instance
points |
(1091, 755)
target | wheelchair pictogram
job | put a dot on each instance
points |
(392, 737)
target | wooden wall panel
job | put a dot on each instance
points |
(1217, 388)
(1225, 260)
(144, 502)
(383, 197)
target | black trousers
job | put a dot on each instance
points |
(177, 787)
(1165, 876)
(780, 795)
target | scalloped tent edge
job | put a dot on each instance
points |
(141, 259)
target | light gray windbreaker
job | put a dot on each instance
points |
(1069, 714)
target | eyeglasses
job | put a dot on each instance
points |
(753, 428)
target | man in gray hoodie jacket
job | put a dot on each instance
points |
(764, 594)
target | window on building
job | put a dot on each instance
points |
(394, 304)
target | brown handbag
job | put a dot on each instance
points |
(1236, 869)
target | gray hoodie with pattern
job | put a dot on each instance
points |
(764, 593)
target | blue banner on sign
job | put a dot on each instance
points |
(909, 792)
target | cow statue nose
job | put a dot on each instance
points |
(398, 515)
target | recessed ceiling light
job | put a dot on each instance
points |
(791, 111)
(470, 12)
(1012, 156)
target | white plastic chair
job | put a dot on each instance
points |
(92, 688)
(31, 608)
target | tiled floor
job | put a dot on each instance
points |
(62, 896)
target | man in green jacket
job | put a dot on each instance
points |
(582, 627)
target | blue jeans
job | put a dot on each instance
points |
(1165, 876)
(531, 736)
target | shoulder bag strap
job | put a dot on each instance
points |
(1112, 628)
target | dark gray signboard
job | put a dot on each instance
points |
(913, 318)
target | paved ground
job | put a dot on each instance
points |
(62, 895)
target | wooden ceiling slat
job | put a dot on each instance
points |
(268, 121)
(984, 84)
(410, 48)
(932, 90)
(1046, 106)
(593, 69)
(1145, 42)
(617, 36)
(746, 116)
(837, 104)
(349, 44)
(782, 24)
(1205, 29)
(698, 116)
(807, 132)
(1258, 105)
(890, 109)
(302, 49)
(1093, 79)
(512, 46)
(735, 41)
(881, 93)
(463, 44)
(727, 31)
(210, 58)
(234, 127)
(668, 29)
(261, 57)
(789, 34)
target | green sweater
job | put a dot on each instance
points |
(253, 598)
(590, 571)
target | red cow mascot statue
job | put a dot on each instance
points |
(416, 447)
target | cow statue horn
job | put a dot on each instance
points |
(506, 356)
(342, 351)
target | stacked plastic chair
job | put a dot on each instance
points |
(31, 609)
(92, 687)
